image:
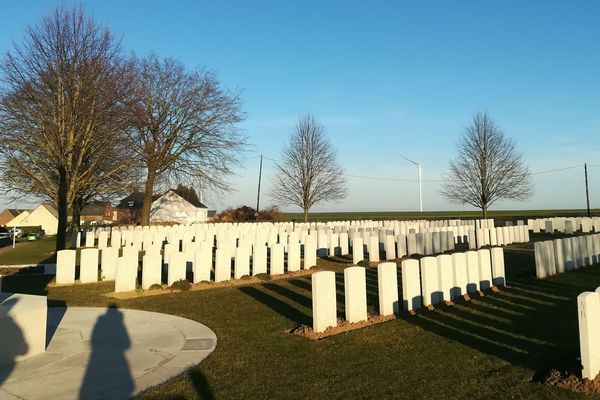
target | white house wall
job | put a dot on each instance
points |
(173, 208)
(42, 217)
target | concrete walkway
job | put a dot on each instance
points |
(99, 353)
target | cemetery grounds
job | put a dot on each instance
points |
(497, 345)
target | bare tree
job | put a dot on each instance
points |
(487, 168)
(308, 172)
(63, 107)
(186, 127)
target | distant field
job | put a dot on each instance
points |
(407, 215)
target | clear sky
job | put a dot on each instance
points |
(384, 78)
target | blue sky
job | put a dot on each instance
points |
(384, 78)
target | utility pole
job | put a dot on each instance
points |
(587, 192)
(258, 194)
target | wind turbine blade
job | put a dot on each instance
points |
(408, 159)
(430, 160)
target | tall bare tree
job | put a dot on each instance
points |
(63, 107)
(186, 127)
(308, 172)
(487, 168)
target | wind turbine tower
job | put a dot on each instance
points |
(419, 166)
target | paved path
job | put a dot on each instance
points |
(99, 353)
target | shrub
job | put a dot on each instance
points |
(182, 285)
(263, 277)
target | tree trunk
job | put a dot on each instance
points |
(484, 209)
(62, 208)
(306, 214)
(76, 214)
(148, 192)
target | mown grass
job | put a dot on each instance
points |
(496, 346)
(500, 215)
(34, 252)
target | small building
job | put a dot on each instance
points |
(17, 221)
(129, 209)
(45, 216)
(101, 211)
(172, 208)
(8, 215)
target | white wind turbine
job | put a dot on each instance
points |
(419, 166)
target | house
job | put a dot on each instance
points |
(171, 207)
(16, 221)
(9, 214)
(97, 212)
(45, 215)
(129, 209)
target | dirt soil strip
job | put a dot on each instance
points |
(251, 280)
(342, 326)
(573, 382)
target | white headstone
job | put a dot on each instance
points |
(90, 240)
(387, 282)
(324, 303)
(373, 248)
(177, 267)
(430, 281)
(411, 285)
(567, 254)
(222, 264)
(390, 247)
(108, 263)
(559, 256)
(459, 271)
(355, 290)
(357, 250)
(126, 275)
(276, 265)
(88, 265)
(445, 275)
(472, 271)
(151, 270)
(102, 239)
(293, 259)
(588, 310)
(541, 263)
(202, 264)
(310, 254)
(498, 274)
(485, 269)
(242, 262)
(259, 259)
(65, 267)
(344, 243)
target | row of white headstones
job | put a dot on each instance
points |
(267, 232)
(564, 224)
(197, 257)
(559, 255)
(425, 282)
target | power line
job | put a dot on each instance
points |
(385, 178)
(556, 170)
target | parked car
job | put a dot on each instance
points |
(4, 233)
(15, 231)
(32, 236)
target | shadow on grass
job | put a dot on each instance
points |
(281, 307)
(532, 322)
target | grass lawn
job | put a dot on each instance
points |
(35, 252)
(499, 215)
(495, 346)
